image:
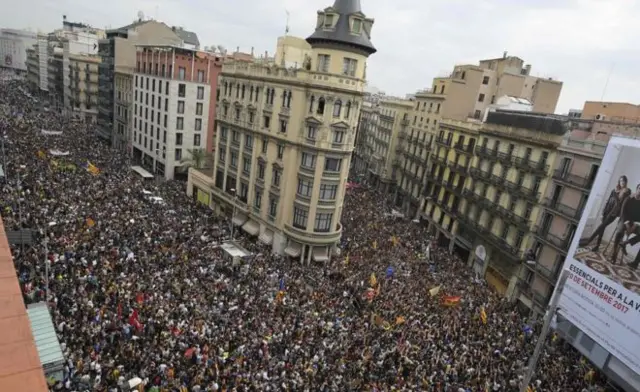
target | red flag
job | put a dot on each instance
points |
(140, 298)
(133, 320)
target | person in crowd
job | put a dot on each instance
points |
(141, 291)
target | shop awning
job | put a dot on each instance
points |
(266, 237)
(293, 249)
(251, 227)
(320, 254)
(239, 219)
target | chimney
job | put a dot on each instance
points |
(527, 69)
(64, 17)
(504, 54)
(252, 51)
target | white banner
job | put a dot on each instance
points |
(602, 292)
(58, 153)
(51, 133)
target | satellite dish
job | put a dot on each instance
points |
(212, 48)
(221, 49)
(140, 15)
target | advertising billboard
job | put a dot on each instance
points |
(602, 293)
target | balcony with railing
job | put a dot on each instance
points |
(561, 244)
(518, 190)
(479, 174)
(463, 148)
(457, 168)
(527, 164)
(582, 182)
(506, 159)
(439, 159)
(508, 215)
(443, 142)
(563, 209)
(499, 244)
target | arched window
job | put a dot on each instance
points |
(284, 98)
(320, 106)
(226, 88)
(347, 109)
(311, 102)
(273, 96)
(337, 108)
(267, 95)
(243, 91)
(289, 99)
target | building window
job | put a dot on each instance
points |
(244, 192)
(182, 72)
(257, 199)
(273, 206)
(485, 80)
(337, 108)
(196, 140)
(283, 126)
(237, 112)
(347, 109)
(328, 191)
(320, 109)
(332, 164)
(349, 66)
(246, 165)
(308, 160)
(338, 137)
(235, 137)
(266, 122)
(300, 217)
(312, 132)
(323, 222)
(280, 151)
(182, 90)
(178, 139)
(261, 170)
(276, 177)
(200, 76)
(328, 21)
(481, 98)
(200, 92)
(324, 60)
(198, 124)
(224, 132)
(178, 154)
(305, 187)
(234, 159)
(199, 107)
(477, 114)
(180, 107)
(265, 145)
(179, 123)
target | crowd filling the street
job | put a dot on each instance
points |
(139, 288)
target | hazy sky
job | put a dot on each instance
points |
(576, 41)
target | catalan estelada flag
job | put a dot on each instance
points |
(451, 300)
(93, 169)
(373, 281)
(483, 315)
(41, 154)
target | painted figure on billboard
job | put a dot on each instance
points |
(602, 293)
(610, 212)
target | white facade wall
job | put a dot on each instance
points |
(13, 48)
(167, 150)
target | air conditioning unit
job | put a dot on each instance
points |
(600, 117)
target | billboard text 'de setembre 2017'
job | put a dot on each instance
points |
(602, 292)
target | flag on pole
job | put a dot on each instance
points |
(451, 300)
(375, 244)
(373, 281)
(483, 315)
(41, 154)
(93, 169)
(434, 291)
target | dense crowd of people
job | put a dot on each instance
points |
(139, 290)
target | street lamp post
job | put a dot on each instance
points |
(46, 261)
(233, 213)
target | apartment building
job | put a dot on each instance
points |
(173, 91)
(118, 54)
(83, 87)
(381, 129)
(466, 94)
(13, 48)
(285, 138)
(485, 186)
(618, 112)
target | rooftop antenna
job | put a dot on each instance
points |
(606, 83)
(286, 29)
